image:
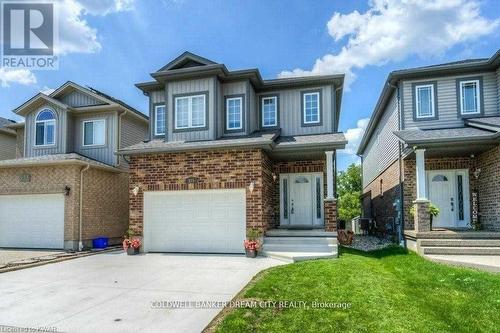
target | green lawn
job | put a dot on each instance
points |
(389, 290)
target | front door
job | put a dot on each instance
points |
(301, 199)
(449, 191)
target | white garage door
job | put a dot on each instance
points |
(32, 221)
(206, 221)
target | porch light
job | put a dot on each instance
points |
(135, 191)
(67, 189)
(251, 187)
(477, 172)
(274, 176)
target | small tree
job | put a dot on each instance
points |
(349, 191)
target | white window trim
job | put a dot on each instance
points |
(275, 111)
(417, 101)
(304, 106)
(155, 118)
(83, 132)
(478, 98)
(54, 121)
(190, 111)
(227, 114)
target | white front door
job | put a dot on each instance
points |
(203, 221)
(301, 199)
(449, 191)
(32, 221)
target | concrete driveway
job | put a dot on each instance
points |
(113, 292)
(13, 255)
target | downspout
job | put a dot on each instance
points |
(80, 222)
(120, 134)
(400, 154)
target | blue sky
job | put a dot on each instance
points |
(113, 44)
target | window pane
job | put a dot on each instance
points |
(234, 113)
(198, 111)
(160, 120)
(269, 112)
(39, 133)
(424, 105)
(182, 113)
(311, 111)
(99, 132)
(469, 98)
(49, 127)
(88, 133)
(45, 115)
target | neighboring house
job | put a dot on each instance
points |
(230, 152)
(7, 139)
(66, 185)
(434, 137)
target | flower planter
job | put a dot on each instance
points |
(132, 251)
(250, 253)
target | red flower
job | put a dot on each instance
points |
(251, 244)
(135, 243)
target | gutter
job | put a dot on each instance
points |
(80, 220)
(63, 162)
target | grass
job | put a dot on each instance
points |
(389, 290)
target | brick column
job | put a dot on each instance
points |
(330, 214)
(422, 216)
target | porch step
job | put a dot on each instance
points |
(300, 240)
(300, 233)
(484, 250)
(291, 257)
(460, 242)
(300, 247)
(449, 234)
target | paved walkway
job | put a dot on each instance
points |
(113, 292)
(486, 263)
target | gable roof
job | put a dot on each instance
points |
(456, 67)
(40, 97)
(186, 60)
(4, 126)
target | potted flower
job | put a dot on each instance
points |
(252, 243)
(131, 245)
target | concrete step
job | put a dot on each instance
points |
(291, 257)
(461, 250)
(300, 233)
(300, 240)
(454, 234)
(460, 242)
(327, 248)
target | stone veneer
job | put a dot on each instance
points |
(218, 169)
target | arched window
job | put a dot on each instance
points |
(45, 128)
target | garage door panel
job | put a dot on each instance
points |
(32, 221)
(195, 221)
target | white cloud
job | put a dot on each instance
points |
(20, 76)
(392, 30)
(46, 90)
(105, 7)
(354, 136)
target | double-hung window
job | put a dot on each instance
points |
(311, 107)
(94, 132)
(469, 97)
(45, 128)
(159, 117)
(424, 101)
(190, 111)
(234, 113)
(269, 109)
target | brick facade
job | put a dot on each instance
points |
(488, 184)
(105, 197)
(380, 195)
(216, 169)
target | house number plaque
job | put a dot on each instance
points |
(192, 180)
(25, 178)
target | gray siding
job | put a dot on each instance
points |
(383, 148)
(448, 115)
(498, 89)
(253, 109)
(156, 97)
(103, 153)
(20, 143)
(78, 98)
(191, 87)
(290, 112)
(7, 147)
(132, 131)
(60, 142)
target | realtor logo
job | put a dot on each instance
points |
(28, 35)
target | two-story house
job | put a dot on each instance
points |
(434, 139)
(66, 186)
(230, 151)
(7, 139)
